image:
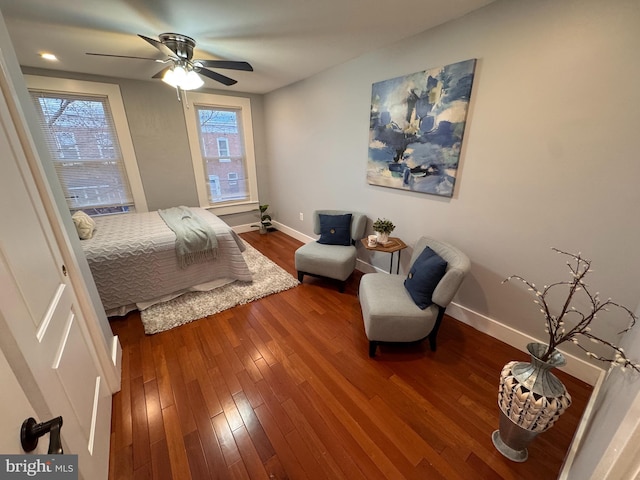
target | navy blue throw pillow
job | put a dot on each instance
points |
(424, 276)
(335, 229)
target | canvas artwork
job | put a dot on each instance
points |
(416, 129)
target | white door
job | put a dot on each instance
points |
(15, 404)
(43, 334)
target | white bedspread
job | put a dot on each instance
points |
(133, 260)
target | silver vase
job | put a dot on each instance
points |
(531, 399)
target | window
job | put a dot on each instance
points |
(223, 150)
(92, 154)
(221, 139)
(214, 186)
(233, 182)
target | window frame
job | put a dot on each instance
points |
(121, 125)
(202, 182)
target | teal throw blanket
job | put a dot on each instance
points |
(196, 241)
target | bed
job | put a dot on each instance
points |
(134, 263)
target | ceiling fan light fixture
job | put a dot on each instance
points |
(179, 77)
(192, 81)
(180, 70)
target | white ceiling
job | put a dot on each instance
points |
(284, 40)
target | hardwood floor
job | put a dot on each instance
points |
(283, 388)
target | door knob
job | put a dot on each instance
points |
(31, 431)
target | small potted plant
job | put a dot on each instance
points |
(265, 219)
(383, 228)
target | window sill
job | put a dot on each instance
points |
(234, 208)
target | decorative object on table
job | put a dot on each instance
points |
(265, 219)
(530, 397)
(416, 128)
(383, 228)
(392, 246)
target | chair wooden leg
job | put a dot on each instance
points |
(436, 327)
(300, 276)
(373, 345)
(341, 286)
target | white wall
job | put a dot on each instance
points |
(550, 156)
(610, 446)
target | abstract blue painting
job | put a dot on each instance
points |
(416, 129)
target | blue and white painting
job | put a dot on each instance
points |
(416, 129)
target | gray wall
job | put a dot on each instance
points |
(550, 156)
(159, 136)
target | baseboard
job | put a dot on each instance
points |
(365, 267)
(293, 233)
(243, 228)
(278, 226)
(576, 366)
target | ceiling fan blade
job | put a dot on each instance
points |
(161, 73)
(217, 77)
(122, 56)
(159, 45)
(225, 64)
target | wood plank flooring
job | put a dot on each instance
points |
(283, 388)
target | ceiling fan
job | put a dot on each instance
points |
(182, 71)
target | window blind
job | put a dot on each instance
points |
(80, 134)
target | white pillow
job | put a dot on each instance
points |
(85, 225)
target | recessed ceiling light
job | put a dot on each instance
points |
(49, 56)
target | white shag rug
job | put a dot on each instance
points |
(268, 278)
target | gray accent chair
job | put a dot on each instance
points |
(331, 261)
(389, 312)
